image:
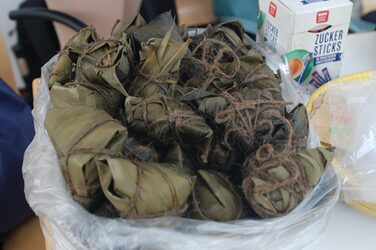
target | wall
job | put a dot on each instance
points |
(195, 12)
(369, 5)
(6, 26)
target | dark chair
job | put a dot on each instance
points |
(37, 39)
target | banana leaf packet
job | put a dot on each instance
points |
(144, 189)
(65, 68)
(275, 185)
(214, 197)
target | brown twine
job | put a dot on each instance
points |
(212, 67)
(252, 77)
(104, 92)
(79, 66)
(175, 118)
(266, 122)
(229, 113)
(242, 118)
(295, 176)
(114, 26)
(133, 200)
(94, 36)
(73, 150)
(172, 212)
(133, 153)
(171, 189)
(294, 181)
(83, 200)
(277, 115)
(99, 63)
(158, 79)
(264, 153)
(272, 211)
(89, 150)
(108, 57)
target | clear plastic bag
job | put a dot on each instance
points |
(67, 225)
(353, 133)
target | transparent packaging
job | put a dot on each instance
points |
(67, 225)
(353, 132)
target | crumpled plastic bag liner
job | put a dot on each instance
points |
(67, 225)
(353, 134)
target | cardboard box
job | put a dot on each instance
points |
(311, 33)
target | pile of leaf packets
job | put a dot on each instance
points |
(152, 122)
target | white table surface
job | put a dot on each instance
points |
(350, 229)
(360, 53)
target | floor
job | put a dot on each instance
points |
(27, 236)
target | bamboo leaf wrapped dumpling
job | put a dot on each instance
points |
(215, 198)
(275, 185)
(158, 28)
(232, 33)
(140, 150)
(144, 189)
(298, 118)
(127, 28)
(81, 41)
(314, 163)
(86, 94)
(107, 62)
(168, 121)
(271, 127)
(65, 69)
(249, 124)
(79, 134)
(175, 156)
(159, 71)
(254, 73)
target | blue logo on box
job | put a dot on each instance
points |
(304, 2)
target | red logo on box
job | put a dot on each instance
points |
(272, 9)
(322, 16)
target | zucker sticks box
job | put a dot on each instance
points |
(312, 33)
